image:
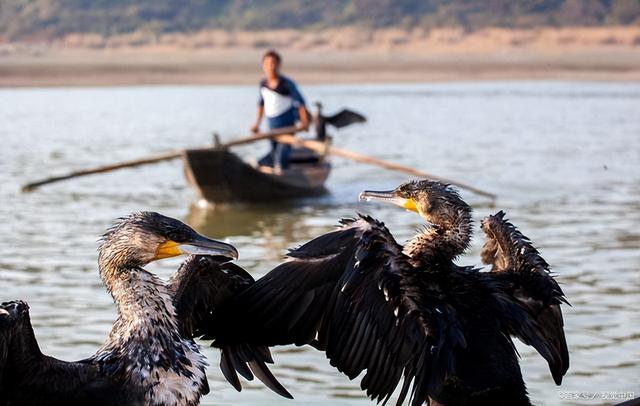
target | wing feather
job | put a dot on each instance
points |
(344, 118)
(5, 342)
(201, 286)
(528, 279)
(370, 310)
(29, 377)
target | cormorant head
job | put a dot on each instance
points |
(143, 237)
(435, 202)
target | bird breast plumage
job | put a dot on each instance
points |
(169, 368)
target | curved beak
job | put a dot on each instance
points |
(201, 245)
(197, 245)
(388, 197)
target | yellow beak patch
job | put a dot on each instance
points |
(409, 204)
(168, 249)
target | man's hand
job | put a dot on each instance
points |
(256, 124)
(302, 127)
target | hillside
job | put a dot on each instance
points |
(118, 42)
(37, 20)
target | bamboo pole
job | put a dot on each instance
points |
(154, 158)
(125, 164)
(354, 156)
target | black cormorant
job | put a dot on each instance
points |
(409, 312)
(150, 356)
(341, 119)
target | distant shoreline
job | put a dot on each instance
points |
(338, 57)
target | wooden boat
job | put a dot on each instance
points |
(220, 176)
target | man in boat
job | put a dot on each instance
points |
(282, 104)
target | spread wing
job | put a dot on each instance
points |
(201, 286)
(344, 118)
(6, 331)
(29, 377)
(353, 294)
(528, 278)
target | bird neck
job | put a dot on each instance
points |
(147, 340)
(441, 243)
(138, 293)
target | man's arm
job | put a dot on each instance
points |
(302, 111)
(259, 112)
(304, 119)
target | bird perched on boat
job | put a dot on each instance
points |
(341, 119)
(409, 312)
(150, 356)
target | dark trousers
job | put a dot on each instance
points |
(278, 156)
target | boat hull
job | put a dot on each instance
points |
(220, 176)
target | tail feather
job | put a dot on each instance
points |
(263, 373)
(228, 371)
(248, 360)
(239, 363)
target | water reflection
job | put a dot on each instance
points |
(220, 221)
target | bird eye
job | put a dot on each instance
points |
(173, 236)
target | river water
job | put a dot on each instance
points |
(563, 157)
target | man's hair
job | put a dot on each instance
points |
(272, 54)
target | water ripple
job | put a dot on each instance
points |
(564, 158)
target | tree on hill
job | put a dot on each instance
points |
(48, 19)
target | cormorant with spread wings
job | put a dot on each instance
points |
(340, 119)
(410, 313)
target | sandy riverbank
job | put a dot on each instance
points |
(334, 56)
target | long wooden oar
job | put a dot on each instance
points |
(284, 136)
(154, 158)
(324, 148)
